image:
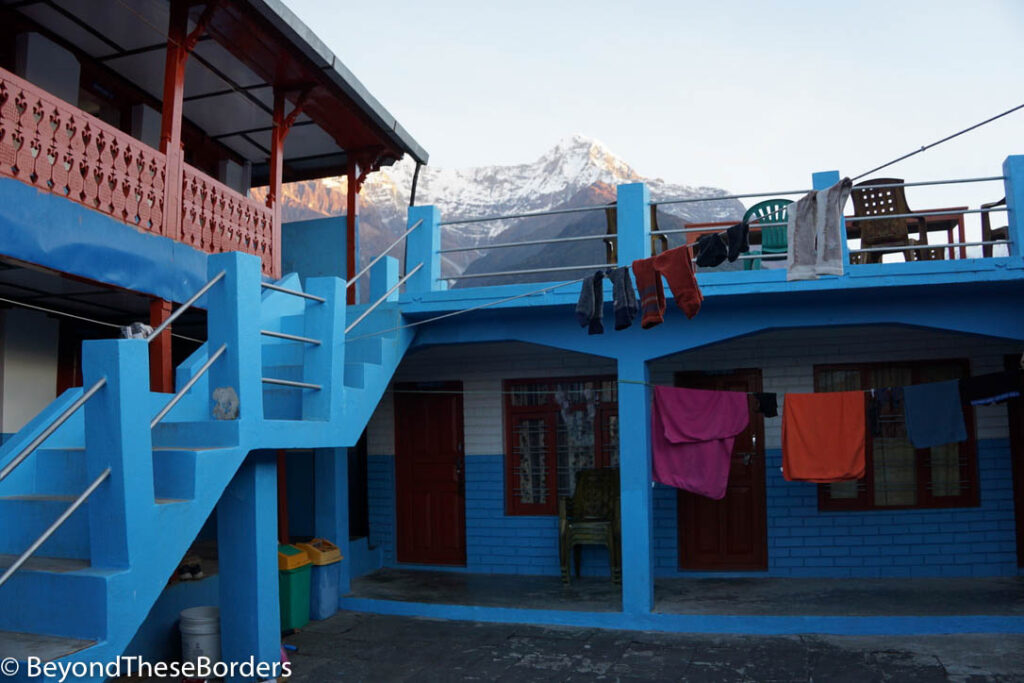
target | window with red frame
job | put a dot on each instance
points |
(553, 429)
(897, 474)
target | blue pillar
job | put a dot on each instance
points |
(823, 180)
(383, 275)
(331, 501)
(250, 615)
(635, 484)
(233, 306)
(423, 245)
(324, 363)
(1013, 172)
(117, 435)
(633, 215)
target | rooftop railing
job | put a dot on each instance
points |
(928, 235)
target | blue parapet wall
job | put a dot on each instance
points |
(50, 231)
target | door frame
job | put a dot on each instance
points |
(760, 487)
(402, 502)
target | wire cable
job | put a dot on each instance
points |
(469, 310)
(939, 142)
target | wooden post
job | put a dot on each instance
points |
(171, 116)
(352, 187)
(277, 136)
(161, 367)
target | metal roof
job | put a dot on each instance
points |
(228, 90)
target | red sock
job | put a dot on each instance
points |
(677, 267)
(652, 294)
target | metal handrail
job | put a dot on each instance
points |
(600, 266)
(912, 247)
(382, 254)
(45, 434)
(527, 214)
(920, 214)
(188, 385)
(553, 240)
(185, 306)
(689, 200)
(291, 383)
(50, 530)
(290, 337)
(293, 292)
(383, 298)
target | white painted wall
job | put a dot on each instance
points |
(787, 359)
(28, 366)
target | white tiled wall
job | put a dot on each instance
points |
(787, 360)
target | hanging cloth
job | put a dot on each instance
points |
(767, 404)
(933, 413)
(692, 433)
(738, 239)
(623, 297)
(813, 234)
(590, 306)
(991, 388)
(712, 250)
(676, 266)
(823, 436)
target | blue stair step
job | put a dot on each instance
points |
(59, 471)
(174, 473)
(196, 434)
(24, 518)
(366, 350)
(283, 353)
(355, 375)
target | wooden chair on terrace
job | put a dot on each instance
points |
(591, 517)
(611, 243)
(987, 233)
(878, 201)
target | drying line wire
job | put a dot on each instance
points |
(469, 310)
(65, 314)
(939, 142)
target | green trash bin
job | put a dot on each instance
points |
(293, 578)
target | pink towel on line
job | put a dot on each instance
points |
(692, 433)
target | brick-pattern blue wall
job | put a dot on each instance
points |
(802, 541)
(977, 541)
(496, 543)
(380, 478)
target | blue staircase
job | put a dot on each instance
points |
(85, 592)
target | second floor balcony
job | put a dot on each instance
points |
(165, 115)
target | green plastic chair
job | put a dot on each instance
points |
(773, 237)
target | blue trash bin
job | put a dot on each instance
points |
(325, 582)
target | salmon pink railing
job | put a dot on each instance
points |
(215, 218)
(58, 148)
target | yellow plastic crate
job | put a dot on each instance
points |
(321, 551)
(290, 557)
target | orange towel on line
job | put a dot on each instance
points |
(823, 436)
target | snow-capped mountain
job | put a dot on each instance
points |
(578, 171)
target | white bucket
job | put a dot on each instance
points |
(200, 634)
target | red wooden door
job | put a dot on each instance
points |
(430, 474)
(728, 534)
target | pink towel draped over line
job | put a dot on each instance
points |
(692, 433)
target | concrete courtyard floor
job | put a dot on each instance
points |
(364, 647)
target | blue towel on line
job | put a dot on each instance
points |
(933, 413)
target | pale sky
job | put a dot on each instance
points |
(746, 96)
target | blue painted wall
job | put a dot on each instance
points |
(159, 638)
(802, 542)
(496, 543)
